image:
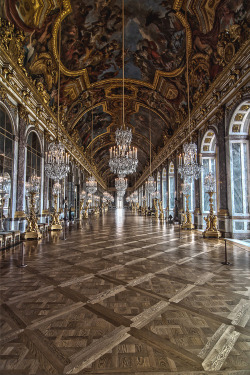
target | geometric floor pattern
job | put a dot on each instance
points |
(125, 295)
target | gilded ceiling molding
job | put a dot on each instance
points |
(15, 83)
(221, 91)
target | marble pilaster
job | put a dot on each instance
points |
(21, 166)
(223, 215)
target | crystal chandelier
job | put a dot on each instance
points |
(4, 194)
(91, 185)
(188, 166)
(209, 183)
(83, 194)
(156, 194)
(134, 197)
(123, 161)
(123, 158)
(123, 136)
(121, 184)
(57, 159)
(120, 193)
(185, 188)
(56, 188)
(33, 184)
(150, 185)
(108, 197)
(4, 183)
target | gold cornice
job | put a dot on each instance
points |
(207, 106)
(16, 82)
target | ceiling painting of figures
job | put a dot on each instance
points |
(92, 38)
(101, 121)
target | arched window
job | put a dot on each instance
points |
(164, 188)
(34, 156)
(6, 154)
(171, 184)
(208, 149)
(239, 167)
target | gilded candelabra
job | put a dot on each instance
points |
(4, 184)
(55, 222)
(86, 210)
(32, 231)
(96, 202)
(187, 223)
(3, 198)
(133, 206)
(161, 217)
(144, 206)
(211, 219)
(156, 208)
(82, 199)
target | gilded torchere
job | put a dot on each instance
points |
(82, 200)
(55, 222)
(32, 188)
(211, 219)
(187, 224)
(161, 216)
(4, 183)
(156, 208)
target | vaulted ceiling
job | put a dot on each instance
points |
(155, 63)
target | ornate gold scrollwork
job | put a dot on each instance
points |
(12, 41)
(226, 44)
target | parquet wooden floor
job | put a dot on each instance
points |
(125, 295)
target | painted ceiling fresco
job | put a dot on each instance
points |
(101, 121)
(143, 120)
(92, 34)
(155, 60)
